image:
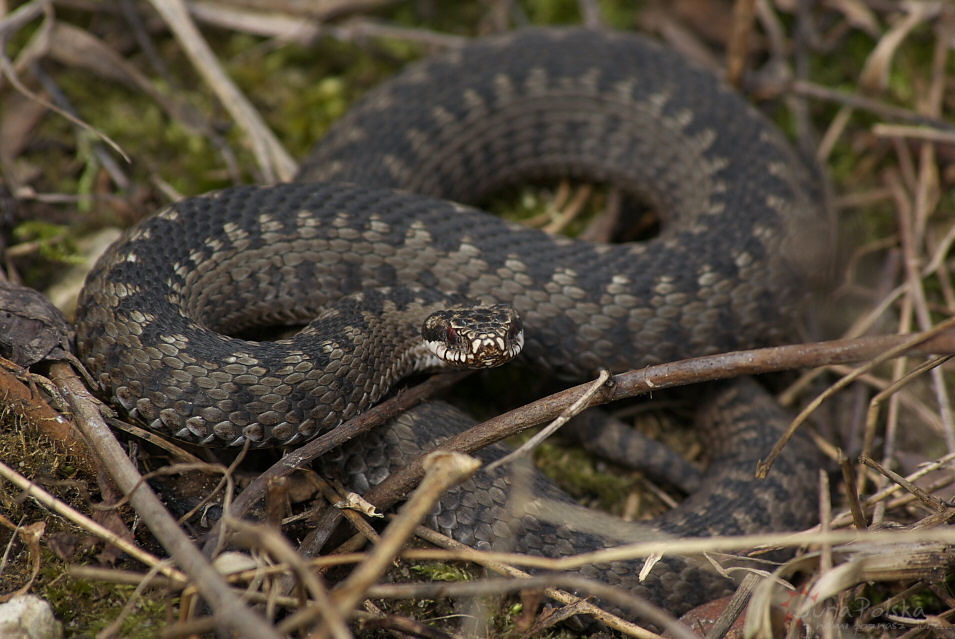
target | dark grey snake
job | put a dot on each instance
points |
(741, 233)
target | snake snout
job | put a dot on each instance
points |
(474, 337)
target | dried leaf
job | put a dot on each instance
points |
(875, 74)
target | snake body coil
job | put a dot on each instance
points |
(727, 271)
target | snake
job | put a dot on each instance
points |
(379, 229)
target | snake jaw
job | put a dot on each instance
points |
(474, 337)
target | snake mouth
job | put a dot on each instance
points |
(474, 337)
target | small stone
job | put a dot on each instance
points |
(28, 617)
(232, 562)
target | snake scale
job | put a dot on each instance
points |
(740, 238)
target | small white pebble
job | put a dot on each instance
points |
(28, 617)
(231, 562)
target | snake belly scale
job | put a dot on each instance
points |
(741, 228)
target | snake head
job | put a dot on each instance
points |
(474, 336)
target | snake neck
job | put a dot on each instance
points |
(379, 332)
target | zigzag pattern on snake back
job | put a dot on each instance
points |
(740, 236)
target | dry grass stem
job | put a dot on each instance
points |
(274, 161)
(33, 491)
(85, 410)
(442, 470)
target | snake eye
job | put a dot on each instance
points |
(452, 335)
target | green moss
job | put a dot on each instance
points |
(621, 14)
(551, 11)
(580, 475)
(300, 92)
(909, 66)
(871, 603)
(156, 144)
(441, 572)
(103, 604)
(84, 607)
(53, 241)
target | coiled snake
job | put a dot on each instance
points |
(728, 270)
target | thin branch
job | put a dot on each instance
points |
(232, 614)
(633, 383)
